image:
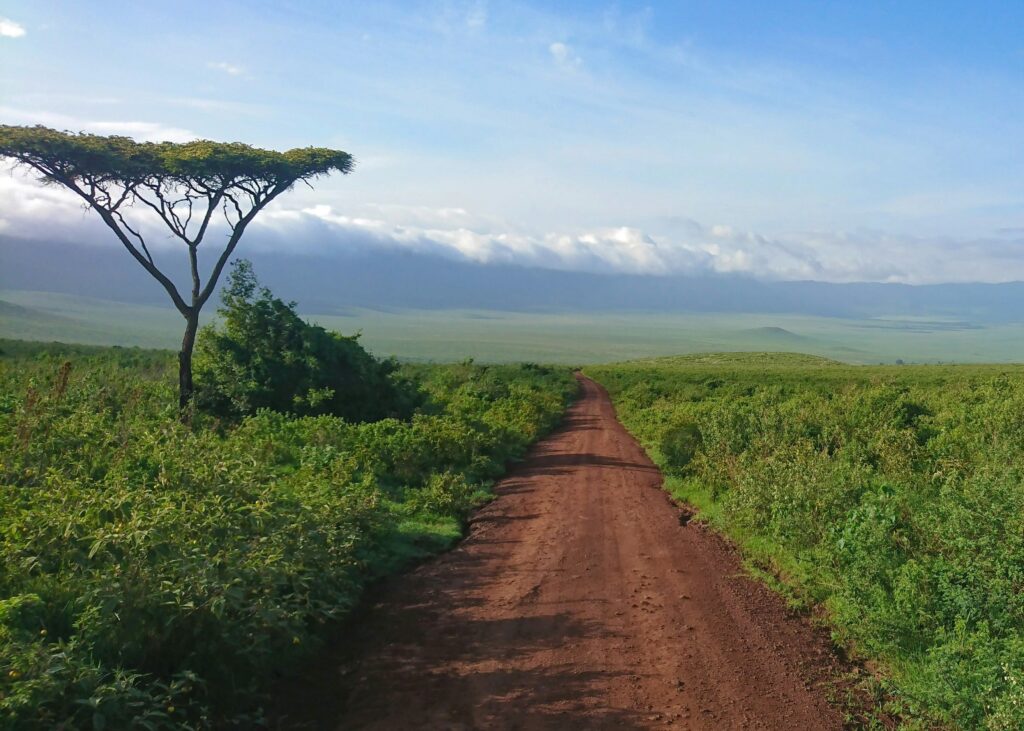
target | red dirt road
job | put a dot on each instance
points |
(578, 600)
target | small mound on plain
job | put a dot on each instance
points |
(773, 331)
(738, 359)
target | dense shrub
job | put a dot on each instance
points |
(679, 445)
(893, 496)
(154, 575)
(263, 355)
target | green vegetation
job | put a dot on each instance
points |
(546, 337)
(262, 355)
(185, 186)
(156, 575)
(893, 496)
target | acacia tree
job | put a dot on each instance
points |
(185, 186)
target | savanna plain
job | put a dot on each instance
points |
(160, 574)
(654, 366)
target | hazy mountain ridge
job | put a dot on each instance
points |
(386, 279)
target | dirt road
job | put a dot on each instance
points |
(578, 601)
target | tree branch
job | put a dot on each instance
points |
(214, 203)
(121, 219)
(236, 236)
(108, 218)
(161, 209)
(193, 263)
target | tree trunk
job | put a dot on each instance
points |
(185, 389)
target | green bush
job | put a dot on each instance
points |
(157, 576)
(679, 445)
(894, 497)
(262, 355)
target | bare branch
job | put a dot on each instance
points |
(236, 236)
(108, 218)
(123, 197)
(121, 219)
(238, 209)
(211, 206)
(188, 219)
(159, 207)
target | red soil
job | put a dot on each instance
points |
(581, 598)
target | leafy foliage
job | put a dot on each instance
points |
(85, 157)
(263, 355)
(155, 576)
(679, 445)
(894, 496)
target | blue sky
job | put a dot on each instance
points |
(801, 140)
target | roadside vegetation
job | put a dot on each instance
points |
(891, 497)
(156, 574)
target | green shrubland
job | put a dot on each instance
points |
(156, 575)
(262, 355)
(891, 496)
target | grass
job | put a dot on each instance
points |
(550, 337)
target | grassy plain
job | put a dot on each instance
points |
(890, 496)
(548, 337)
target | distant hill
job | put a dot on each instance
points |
(11, 311)
(772, 338)
(389, 279)
(779, 334)
(751, 359)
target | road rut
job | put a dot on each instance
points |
(579, 599)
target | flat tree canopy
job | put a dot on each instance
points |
(185, 185)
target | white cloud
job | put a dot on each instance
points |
(564, 57)
(35, 211)
(427, 217)
(682, 246)
(142, 131)
(229, 68)
(139, 131)
(10, 29)
(689, 248)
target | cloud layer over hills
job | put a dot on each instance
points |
(332, 281)
(670, 246)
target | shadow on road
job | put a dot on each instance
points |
(418, 639)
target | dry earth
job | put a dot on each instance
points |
(581, 598)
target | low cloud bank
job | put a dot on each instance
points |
(679, 246)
